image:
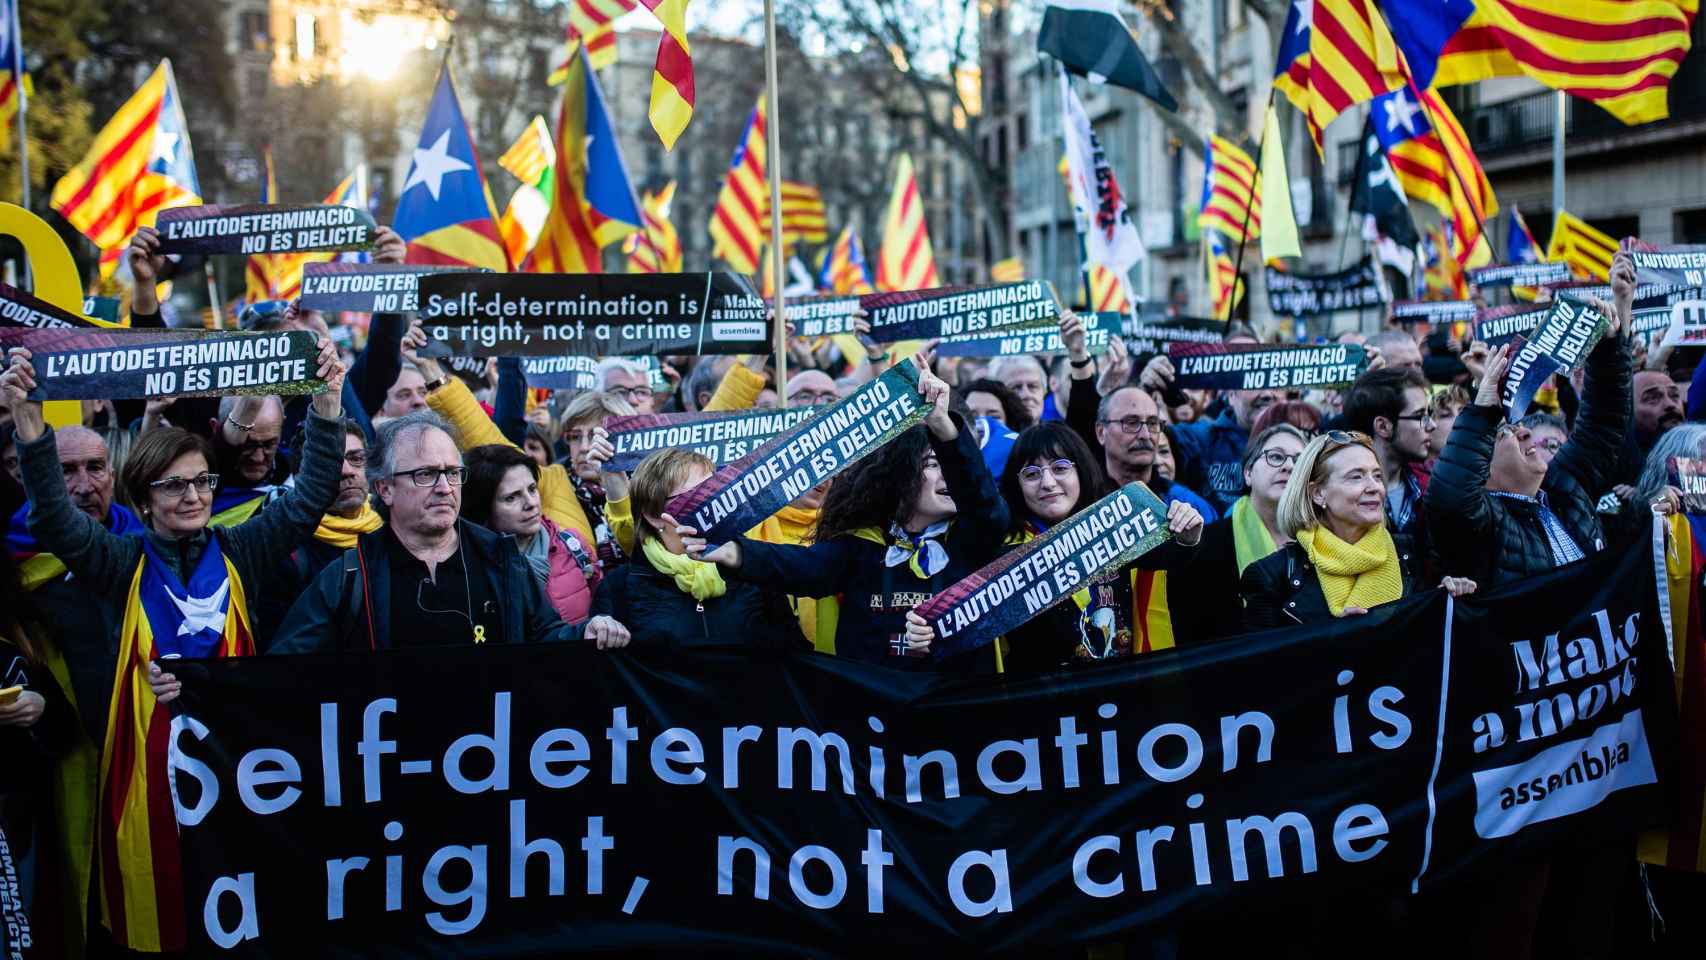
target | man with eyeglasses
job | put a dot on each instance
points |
(1125, 434)
(624, 378)
(1391, 406)
(426, 578)
(809, 388)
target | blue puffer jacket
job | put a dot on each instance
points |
(1211, 458)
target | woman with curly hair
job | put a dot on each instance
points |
(906, 522)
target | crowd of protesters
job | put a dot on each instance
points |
(415, 505)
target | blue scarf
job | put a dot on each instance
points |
(23, 544)
(187, 621)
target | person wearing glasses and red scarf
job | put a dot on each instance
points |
(187, 590)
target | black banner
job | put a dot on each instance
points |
(741, 494)
(20, 310)
(367, 287)
(942, 312)
(1027, 580)
(1672, 265)
(1036, 341)
(127, 365)
(821, 316)
(1240, 366)
(265, 228)
(1560, 343)
(1303, 295)
(591, 314)
(576, 372)
(1434, 311)
(1688, 475)
(1646, 294)
(720, 437)
(1520, 274)
(524, 800)
(1147, 334)
(1499, 325)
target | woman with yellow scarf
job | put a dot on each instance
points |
(1342, 560)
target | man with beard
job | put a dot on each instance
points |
(1658, 406)
(350, 516)
(1125, 432)
(426, 578)
(1391, 406)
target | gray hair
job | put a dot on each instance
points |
(382, 456)
(999, 367)
(593, 404)
(1107, 402)
(601, 373)
(1686, 440)
(1387, 338)
(229, 402)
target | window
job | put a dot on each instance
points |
(1690, 226)
(253, 32)
(1021, 131)
(256, 81)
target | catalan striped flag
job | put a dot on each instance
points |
(264, 273)
(1682, 844)
(657, 248)
(844, 270)
(139, 164)
(444, 208)
(672, 76)
(1107, 291)
(1334, 54)
(906, 260)
(803, 217)
(14, 82)
(592, 203)
(1433, 161)
(531, 159)
(739, 221)
(1225, 288)
(592, 22)
(1229, 188)
(1442, 276)
(1618, 54)
(1010, 270)
(1587, 250)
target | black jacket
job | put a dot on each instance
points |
(658, 614)
(332, 614)
(1203, 595)
(1283, 589)
(1493, 540)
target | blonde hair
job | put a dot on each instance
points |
(592, 406)
(1296, 508)
(656, 478)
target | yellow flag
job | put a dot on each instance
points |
(1279, 226)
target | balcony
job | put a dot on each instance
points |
(1518, 132)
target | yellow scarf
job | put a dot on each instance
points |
(1251, 540)
(698, 579)
(1363, 574)
(339, 531)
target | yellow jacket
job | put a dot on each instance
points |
(557, 500)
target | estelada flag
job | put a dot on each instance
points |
(444, 209)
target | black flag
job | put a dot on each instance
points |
(1375, 192)
(1089, 38)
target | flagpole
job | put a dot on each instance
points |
(1356, 179)
(1078, 224)
(1244, 230)
(213, 294)
(773, 167)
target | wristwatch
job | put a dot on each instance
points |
(434, 384)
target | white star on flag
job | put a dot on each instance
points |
(201, 613)
(431, 165)
(1305, 14)
(1401, 112)
(165, 147)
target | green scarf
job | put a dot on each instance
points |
(698, 579)
(1251, 540)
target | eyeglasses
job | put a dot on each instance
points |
(262, 446)
(1346, 438)
(1278, 458)
(1550, 446)
(428, 476)
(1060, 470)
(355, 458)
(812, 398)
(1425, 419)
(176, 487)
(631, 394)
(1134, 425)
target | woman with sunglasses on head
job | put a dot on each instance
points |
(1050, 476)
(186, 590)
(1342, 560)
(1199, 595)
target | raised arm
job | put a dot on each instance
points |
(509, 402)
(1595, 446)
(1460, 510)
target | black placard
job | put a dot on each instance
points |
(1241, 366)
(367, 287)
(821, 316)
(265, 228)
(1560, 343)
(1147, 333)
(20, 310)
(1434, 311)
(719, 437)
(1499, 325)
(942, 312)
(590, 314)
(1672, 265)
(1304, 295)
(1033, 341)
(128, 365)
(1520, 274)
(540, 800)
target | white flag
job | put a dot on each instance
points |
(1111, 239)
